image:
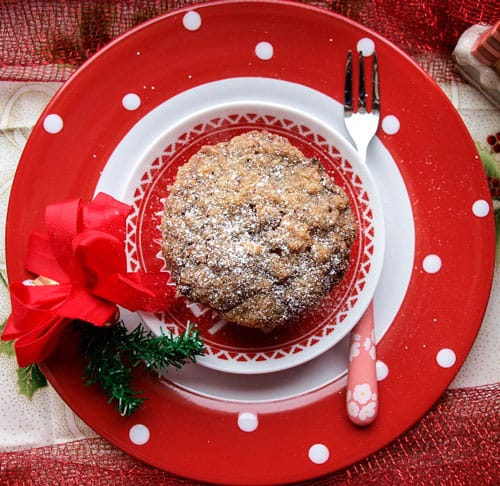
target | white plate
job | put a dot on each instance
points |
(215, 109)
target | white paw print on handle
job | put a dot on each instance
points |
(362, 388)
(362, 403)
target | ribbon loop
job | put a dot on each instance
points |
(83, 251)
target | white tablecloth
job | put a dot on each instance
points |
(45, 419)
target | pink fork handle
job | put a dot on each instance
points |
(362, 393)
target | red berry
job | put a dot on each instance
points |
(494, 186)
(491, 139)
(496, 148)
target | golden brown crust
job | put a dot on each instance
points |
(255, 230)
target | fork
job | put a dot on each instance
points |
(361, 125)
(362, 388)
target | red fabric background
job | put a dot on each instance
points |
(46, 40)
(457, 441)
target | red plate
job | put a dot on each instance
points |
(308, 434)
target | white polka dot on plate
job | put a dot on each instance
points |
(248, 422)
(139, 434)
(432, 264)
(366, 46)
(481, 208)
(390, 124)
(382, 370)
(264, 50)
(319, 453)
(131, 101)
(191, 21)
(53, 123)
(446, 358)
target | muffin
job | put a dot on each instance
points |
(256, 230)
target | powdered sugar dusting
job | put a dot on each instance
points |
(256, 230)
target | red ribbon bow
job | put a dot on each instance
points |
(83, 253)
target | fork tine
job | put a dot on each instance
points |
(375, 85)
(362, 89)
(361, 125)
(348, 85)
